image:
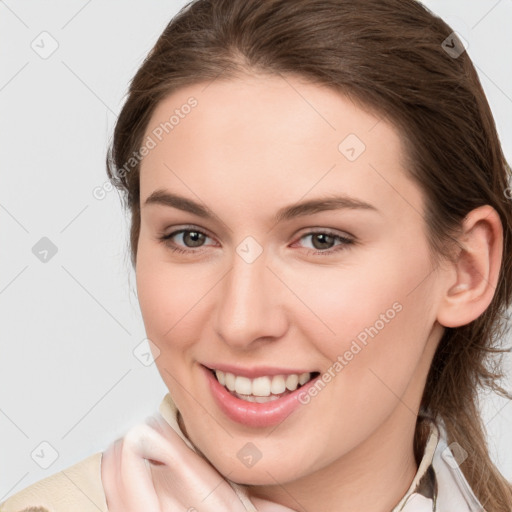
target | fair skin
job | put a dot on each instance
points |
(251, 147)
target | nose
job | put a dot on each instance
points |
(250, 308)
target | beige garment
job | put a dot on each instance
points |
(75, 489)
(79, 488)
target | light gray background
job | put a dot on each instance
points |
(68, 374)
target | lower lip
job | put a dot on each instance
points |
(254, 414)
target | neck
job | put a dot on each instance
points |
(373, 477)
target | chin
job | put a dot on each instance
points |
(261, 473)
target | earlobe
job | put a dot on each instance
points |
(474, 275)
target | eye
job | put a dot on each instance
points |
(323, 242)
(191, 239)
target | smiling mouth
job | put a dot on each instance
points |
(262, 389)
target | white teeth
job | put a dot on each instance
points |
(278, 385)
(303, 378)
(263, 399)
(230, 381)
(292, 381)
(258, 399)
(261, 388)
(243, 385)
(247, 398)
(220, 377)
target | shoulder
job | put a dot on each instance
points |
(77, 488)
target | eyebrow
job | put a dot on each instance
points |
(312, 206)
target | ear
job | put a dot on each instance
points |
(473, 276)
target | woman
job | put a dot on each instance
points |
(321, 232)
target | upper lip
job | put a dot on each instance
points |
(255, 371)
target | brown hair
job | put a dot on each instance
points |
(389, 57)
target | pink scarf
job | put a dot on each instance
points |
(155, 468)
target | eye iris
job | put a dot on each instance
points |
(196, 237)
(324, 238)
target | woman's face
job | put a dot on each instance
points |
(260, 287)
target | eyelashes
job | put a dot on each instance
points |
(343, 242)
(325, 236)
(167, 240)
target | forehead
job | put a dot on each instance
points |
(278, 133)
(272, 109)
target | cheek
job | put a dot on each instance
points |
(339, 303)
(168, 297)
(373, 316)
(383, 323)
